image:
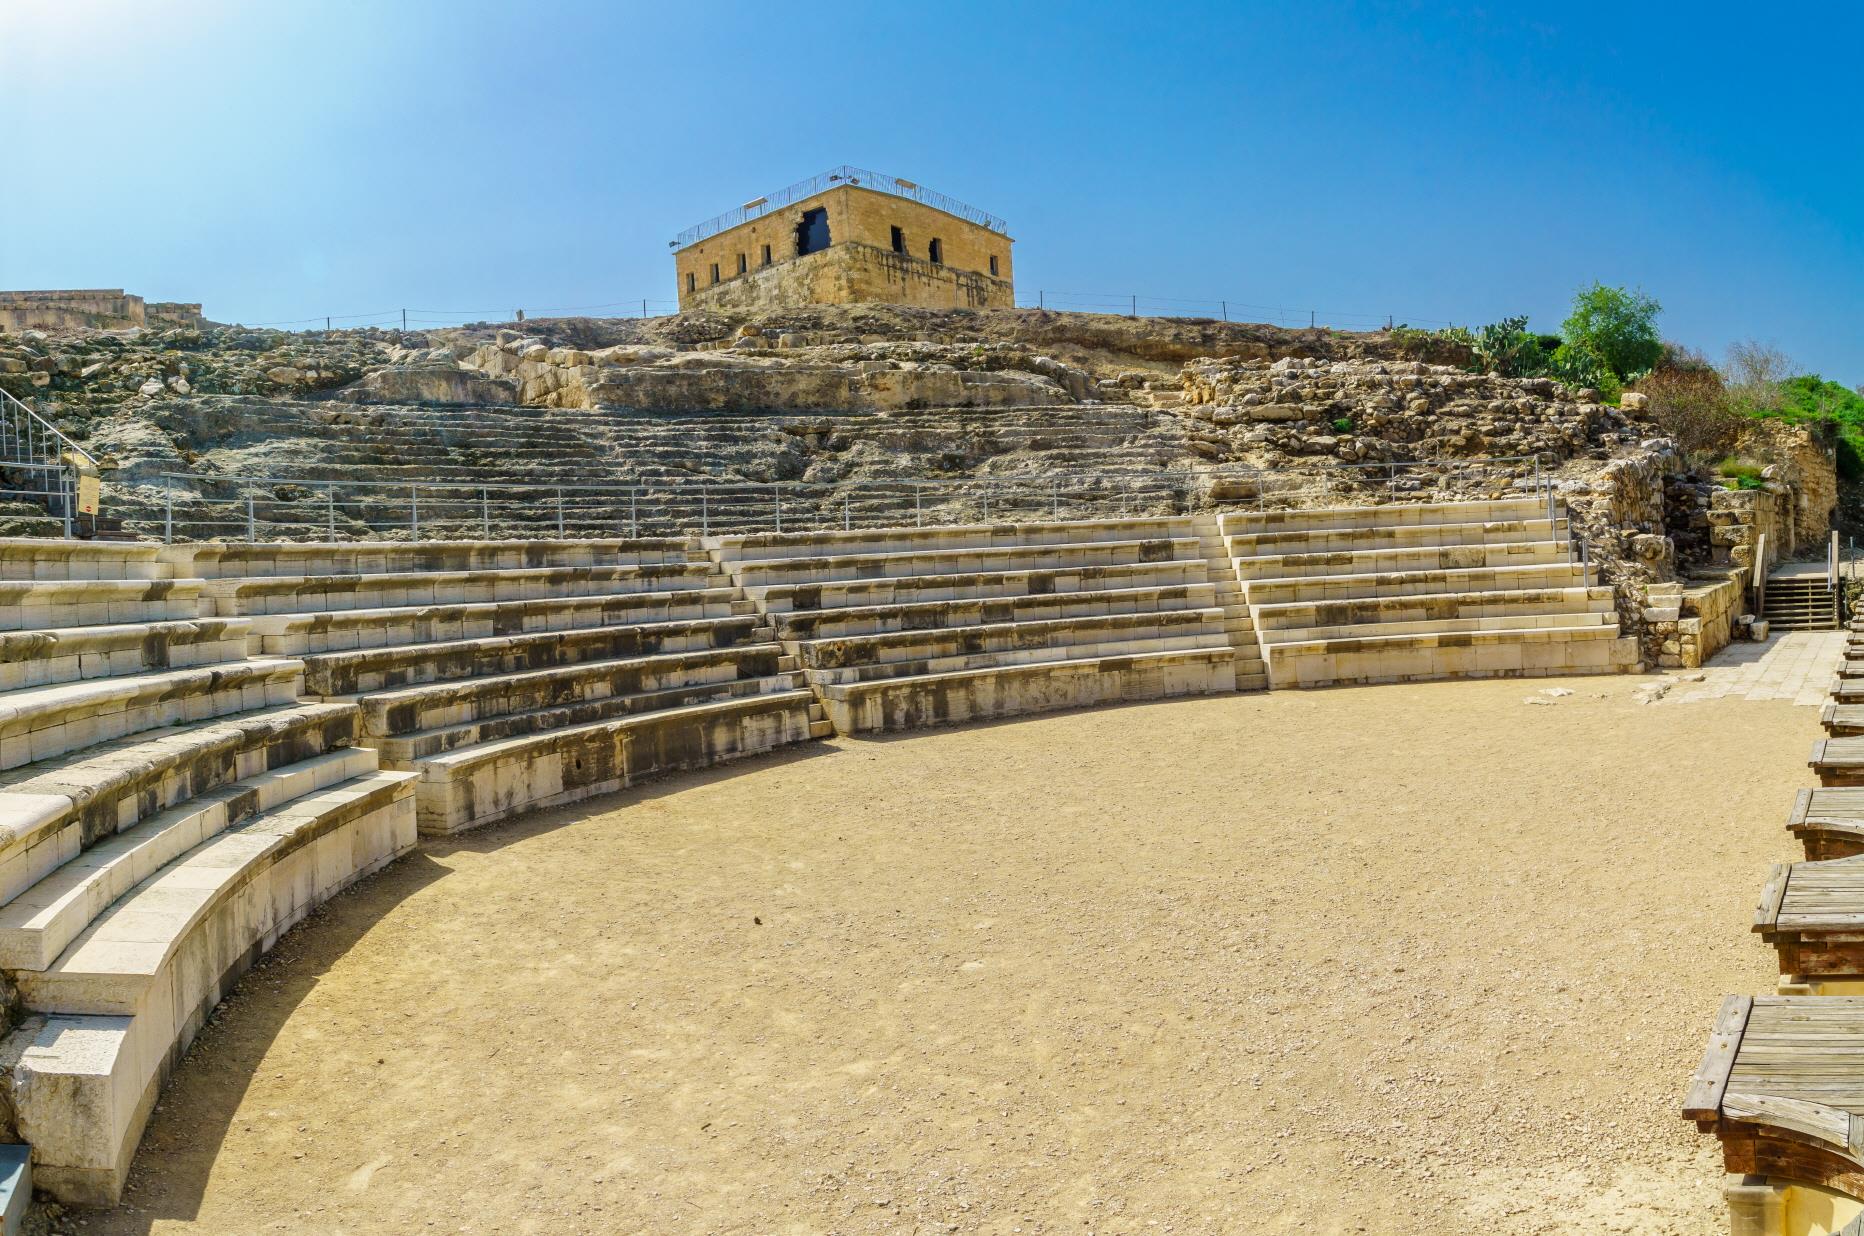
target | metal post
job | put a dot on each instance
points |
(330, 509)
(250, 534)
(404, 321)
(918, 513)
(705, 513)
(168, 510)
(1135, 305)
(1226, 310)
(1055, 499)
(1041, 302)
(776, 490)
(485, 512)
(559, 512)
(414, 510)
(68, 484)
(634, 521)
(845, 525)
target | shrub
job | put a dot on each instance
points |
(1689, 403)
(1740, 475)
(1617, 327)
(1506, 348)
(1578, 365)
(1344, 425)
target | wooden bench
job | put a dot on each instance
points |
(1829, 823)
(1842, 720)
(1838, 761)
(1813, 915)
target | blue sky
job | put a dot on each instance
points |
(282, 159)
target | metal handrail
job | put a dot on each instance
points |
(843, 175)
(42, 429)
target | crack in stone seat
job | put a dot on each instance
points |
(1781, 1086)
(1413, 592)
(43, 657)
(299, 634)
(379, 669)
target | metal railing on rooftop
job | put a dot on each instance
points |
(835, 178)
(185, 506)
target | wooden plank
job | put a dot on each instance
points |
(1767, 913)
(1814, 1120)
(1710, 1082)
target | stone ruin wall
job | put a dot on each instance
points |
(92, 309)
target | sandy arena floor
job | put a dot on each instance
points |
(1417, 959)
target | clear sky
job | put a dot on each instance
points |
(285, 159)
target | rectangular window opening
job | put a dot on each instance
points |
(744, 263)
(766, 255)
(715, 272)
(812, 232)
(692, 282)
(993, 265)
(936, 251)
(899, 241)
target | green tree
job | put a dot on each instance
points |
(1617, 327)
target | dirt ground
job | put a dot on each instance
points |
(1414, 959)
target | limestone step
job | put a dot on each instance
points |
(488, 781)
(402, 751)
(1428, 606)
(823, 570)
(1255, 523)
(860, 657)
(919, 700)
(45, 559)
(1396, 536)
(125, 999)
(37, 924)
(975, 585)
(70, 654)
(382, 669)
(51, 810)
(283, 594)
(1402, 561)
(442, 705)
(1331, 588)
(37, 604)
(1424, 656)
(764, 547)
(301, 558)
(298, 634)
(37, 723)
(971, 612)
(1441, 626)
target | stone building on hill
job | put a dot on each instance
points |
(99, 308)
(844, 237)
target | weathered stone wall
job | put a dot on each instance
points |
(90, 308)
(859, 265)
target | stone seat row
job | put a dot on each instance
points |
(1420, 591)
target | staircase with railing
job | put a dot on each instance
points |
(42, 467)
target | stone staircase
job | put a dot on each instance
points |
(1422, 591)
(516, 675)
(898, 629)
(168, 807)
(1800, 602)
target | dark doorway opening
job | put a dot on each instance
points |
(812, 232)
(899, 241)
(766, 255)
(936, 251)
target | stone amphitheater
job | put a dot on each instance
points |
(350, 596)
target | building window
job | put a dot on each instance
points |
(812, 232)
(715, 272)
(993, 265)
(936, 251)
(899, 241)
(766, 255)
(743, 264)
(692, 282)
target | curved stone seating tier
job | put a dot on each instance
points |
(1838, 761)
(69, 654)
(240, 559)
(921, 626)
(37, 723)
(488, 781)
(891, 592)
(39, 604)
(380, 669)
(1781, 1087)
(299, 634)
(120, 1005)
(37, 560)
(284, 594)
(1842, 720)
(1813, 915)
(1829, 823)
(1422, 591)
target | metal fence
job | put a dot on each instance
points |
(187, 506)
(38, 463)
(833, 178)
